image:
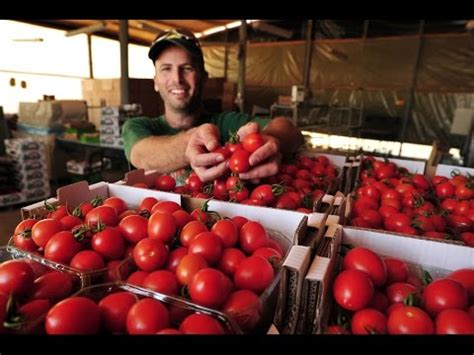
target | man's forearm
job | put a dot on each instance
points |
(286, 132)
(162, 153)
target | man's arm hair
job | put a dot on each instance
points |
(286, 132)
(162, 153)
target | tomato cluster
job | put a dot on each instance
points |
(295, 187)
(122, 311)
(27, 291)
(390, 198)
(383, 295)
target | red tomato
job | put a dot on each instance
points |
(162, 281)
(175, 257)
(239, 162)
(56, 212)
(210, 288)
(34, 310)
(162, 226)
(245, 308)
(182, 218)
(336, 329)
(62, 247)
(397, 271)
(22, 235)
(194, 183)
(109, 243)
(134, 228)
(253, 236)
(468, 238)
(444, 294)
(188, 267)
(114, 309)
(137, 277)
(353, 290)
(398, 292)
(74, 315)
(127, 213)
(227, 231)
(54, 285)
(81, 210)
(165, 183)
(150, 254)
(190, 231)
(409, 320)
(116, 203)
(147, 204)
(454, 321)
(366, 260)
(16, 277)
(201, 324)
(69, 222)
(219, 189)
(43, 230)
(379, 302)
(273, 256)
(466, 278)
(208, 245)
(252, 142)
(254, 274)
(87, 260)
(239, 221)
(231, 258)
(368, 321)
(103, 214)
(147, 316)
(445, 190)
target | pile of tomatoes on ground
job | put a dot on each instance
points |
(295, 187)
(391, 198)
(220, 263)
(376, 295)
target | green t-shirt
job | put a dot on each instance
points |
(138, 128)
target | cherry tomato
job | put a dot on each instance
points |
(16, 277)
(165, 183)
(466, 278)
(201, 324)
(162, 226)
(137, 277)
(109, 243)
(397, 271)
(114, 309)
(409, 320)
(102, 214)
(444, 294)
(254, 274)
(454, 321)
(231, 258)
(62, 247)
(134, 228)
(353, 289)
(190, 231)
(150, 254)
(227, 231)
(210, 288)
(162, 281)
(147, 316)
(368, 321)
(252, 237)
(208, 245)
(22, 235)
(74, 315)
(117, 204)
(54, 285)
(44, 230)
(245, 308)
(175, 257)
(239, 162)
(366, 260)
(252, 142)
(87, 260)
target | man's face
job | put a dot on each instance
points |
(178, 80)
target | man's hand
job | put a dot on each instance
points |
(208, 166)
(265, 161)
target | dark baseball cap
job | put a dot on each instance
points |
(179, 37)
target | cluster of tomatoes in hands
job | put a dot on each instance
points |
(391, 198)
(295, 187)
(381, 295)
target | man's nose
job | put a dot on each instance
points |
(177, 75)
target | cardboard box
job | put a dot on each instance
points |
(116, 141)
(448, 170)
(52, 113)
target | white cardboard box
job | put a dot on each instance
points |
(446, 170)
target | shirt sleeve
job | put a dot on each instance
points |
(134, 130)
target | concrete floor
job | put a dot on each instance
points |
(9, 218)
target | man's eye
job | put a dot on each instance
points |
(188, 69)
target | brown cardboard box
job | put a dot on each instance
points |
(284, 100)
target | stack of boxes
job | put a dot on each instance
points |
(111, 122)
(30, 173)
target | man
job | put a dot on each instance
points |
(186, 134)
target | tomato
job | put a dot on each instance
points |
(162, 226)
(445, 190)
(468, 238)
(466, 278)
(239, 195)
(81, 210)
(464, 192)
(209, 288)
(254, 273)
(379, 302)
(198, 214)
(223, 150)
(175, 257)
(62, 247)
(444, 294)
(87, 260)
(227, 231)
(397, 221)
(353, 289)
(147, 204)
(162, 281)
(438, 179)
(454, 321)
(201, 324)
(114, 309)
(43, 230)
(102, 214)
(368, 321)
(208, 245)
(182, 218)
(231, 258)
(147, 316)
(194, 183)
(150, 254)
(239, 162)
(188, 267)
(169, 331)
(69, 222)
(137, 277)
(252, 142)
(109, 243)
(366, 260)
(409, 320)
(253, 236)
(166, 206)
(54, 285)
(245, 308)
(397, 271)
(336, 329)
(134, 228)
(190, 231)
(398, 292)
(117, 204)
(22, 235)
(239, 221)
(16, 277)
(127, 213)
(165, 183)
(56, 212)
(34, 310)
(272, 255)
(74, 315)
